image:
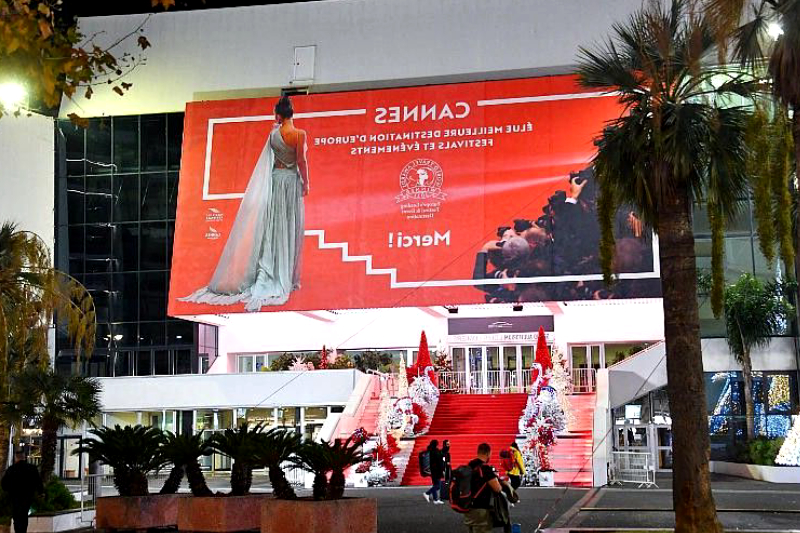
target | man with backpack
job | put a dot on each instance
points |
(471, 491)
(436, 471)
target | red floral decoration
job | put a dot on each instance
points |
(360, 436)
(323, 359)
(364, 467)
(422, 421)
(391, 445)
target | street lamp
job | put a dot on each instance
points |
(12, 96)
(774, 30)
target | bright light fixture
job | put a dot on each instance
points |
(12, 95)
(774, 30)
(118, 337)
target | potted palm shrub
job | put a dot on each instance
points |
(277, 447)
(328, 511)
(232, 511)
(182, 452)
(133, 452)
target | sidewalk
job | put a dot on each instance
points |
(741, 505)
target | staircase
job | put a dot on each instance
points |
(571, 457)
(467, 420)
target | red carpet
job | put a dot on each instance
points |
(466, 420)
(571, 457)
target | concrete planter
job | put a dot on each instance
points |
(770, 474)
(221, 514)
(62, 521)
(349, 515)
(138, 512)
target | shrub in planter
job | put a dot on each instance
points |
(132, 451)
(322, 458)
(56, 497)
(276, 447)
(763, 451)
(241, 446)
(182, 451)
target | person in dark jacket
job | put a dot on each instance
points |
(448, 466)
(437, 473)
(21, 482)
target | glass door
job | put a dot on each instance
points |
(509, 376)
(476, 369)
(494, 382)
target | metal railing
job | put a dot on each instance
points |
(452, 381)
(583, 380)
(633, 467)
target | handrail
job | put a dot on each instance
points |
(640, 352)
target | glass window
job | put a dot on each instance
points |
(99, 286)
(493, 358)
(161, 362)
(739, 224)
(126, 197)
(152, 296)
(126, 247)
(76, 196)
(125, 334)
(153, 194)
(98, 198)
(126, 144)
(143, 363)
(122, 364)
(76, 249)
(152, 334)
(174, 140)
(527, 356)
(98, 247)
(74, 137)
(287, 418)
(170, 240)
(316, 414)
(180, 332)
(183, 361)
(154, 151)
(98, 147)
(510, 356)
(172, 194)
(245, 363)
(125, 303)
(154, 246)
(738, 257)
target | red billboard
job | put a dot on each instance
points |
(435, 195)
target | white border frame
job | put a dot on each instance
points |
(392, 272)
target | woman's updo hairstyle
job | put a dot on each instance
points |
(284, 107)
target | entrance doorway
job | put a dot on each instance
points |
(489, 369)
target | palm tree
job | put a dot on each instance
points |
(276, 447)
(313, 457)
(241, 445)
(32, 293)
(182, 452)
(54, 401)
(132, 451)
(754, 313)
(678, 142)
(341, 456)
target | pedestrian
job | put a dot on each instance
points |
(518, 469)
(484, 483)
(437, 473)
(21, 483)
(448, 470)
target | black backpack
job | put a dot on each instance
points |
(461, 495)
(425, 463)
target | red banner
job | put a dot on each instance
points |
(437, 195)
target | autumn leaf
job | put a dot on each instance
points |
(144, 44)
(166, 4)
(44, 10)
(45, 29)
(126, 85)
(78, 120)
(89, 93)
(118, 90)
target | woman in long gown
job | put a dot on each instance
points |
(260, 264)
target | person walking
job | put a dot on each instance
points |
(484, 483)
(448, 470)
(518, 470)
(21, 483)
(437, 473)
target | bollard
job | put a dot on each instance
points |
(516, 528)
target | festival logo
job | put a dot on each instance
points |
(214, 215)
(212, 234)
(421, 179)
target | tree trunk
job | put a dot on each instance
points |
(173, 482)
(336, 485)
(320, 486)
(749, 409)
(695, 511)
(49, 442)
(281, 488)
(197, 481)
(5, 441)
(241, 478)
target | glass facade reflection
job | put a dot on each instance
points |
(116, 197)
